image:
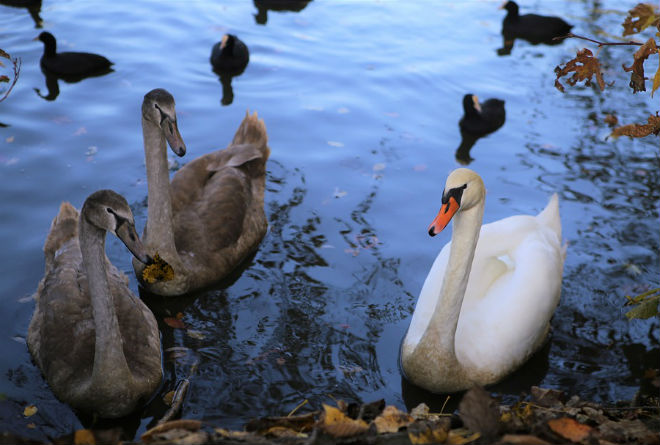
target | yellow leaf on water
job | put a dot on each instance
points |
(84, 437)
(30, 410)
(159, 270)
(31, 425)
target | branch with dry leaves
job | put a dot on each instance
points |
(585, 66)
(16, 62)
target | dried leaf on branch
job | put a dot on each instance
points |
(639, 130)
(637, 81)
(584, 66)
(639, 18)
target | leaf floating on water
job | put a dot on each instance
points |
(10, 139)
(339, 193)
(84, 437)
(584, 66)
(30, 410)
(639, 130)
(197, 335)
(569, 429)
(4, 54)
(4, 78)
(646, 16)
(174, 323)
(159, 270)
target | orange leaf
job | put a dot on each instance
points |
(174, 323)
(569, 429)
(30, 410)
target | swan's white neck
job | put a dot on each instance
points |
(431, 362)
(160, 228)
(109, 359)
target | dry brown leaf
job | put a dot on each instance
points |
(646, 16)
(639, 130)
(391, 420)
(30, 410)
(159, 270)
(424, 432)
(84, 437)
(4, 78)
(570, 429)
(338, 424)
(522, 439)
(4, 54)
(181, 424)
(584, 66)
(637, 81)
(421, 411)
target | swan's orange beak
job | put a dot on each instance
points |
(446, 213)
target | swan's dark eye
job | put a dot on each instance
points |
(156, 106)
(171, 129)
(109, 210)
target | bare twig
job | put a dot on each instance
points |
(17, 69)
(600, 44)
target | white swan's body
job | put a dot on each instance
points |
(486, 304)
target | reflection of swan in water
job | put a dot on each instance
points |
(229, 58)
(33, 7)
(530, 27)
(68, 66)
(263, 6)
(479, 120)
(487, 301)
(97, 345)
(210, 217)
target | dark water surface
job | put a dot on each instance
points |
(361, 100)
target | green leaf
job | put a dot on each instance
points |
(647, 309)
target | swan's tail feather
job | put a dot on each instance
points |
(550, 215)
(251, 131)
(63, 228)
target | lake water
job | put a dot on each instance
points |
(361, 100)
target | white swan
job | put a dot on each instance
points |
(486, 304)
